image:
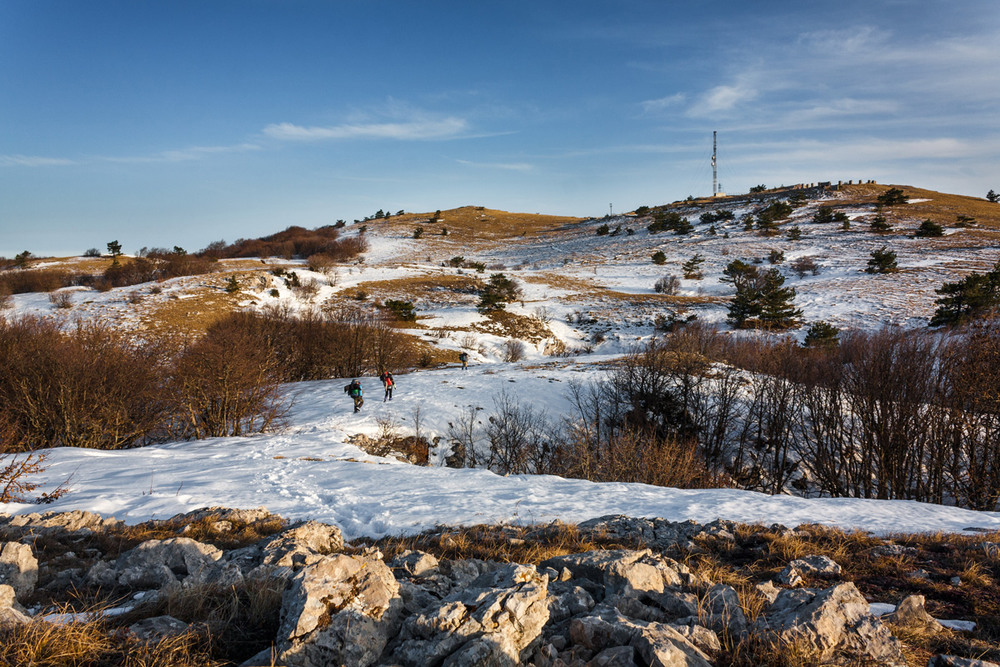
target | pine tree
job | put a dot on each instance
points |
(970, 297)
(776, 308)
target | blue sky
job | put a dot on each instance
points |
(162, 123)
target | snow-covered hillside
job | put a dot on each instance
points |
(310, 471)
(590, 296)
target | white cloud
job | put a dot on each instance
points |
(509, 166)
(405, 131)
(658, 105)
(183, 154)
(723, 98)
(33, 161)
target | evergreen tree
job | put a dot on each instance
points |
(893, 197)
(882, 260)
(692, 268)
(930, 228)
(992, 196)
(968, 298)
(822, 334)
(776, 308)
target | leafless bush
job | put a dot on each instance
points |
(804, 265)
(87, 387)
(469, 341)
(22, 281)
(513, 350)
(518, 436)
(227, 384)
(134, 297)
(464, 434)
(307, 290)
(542, 314)
(6, 301)
(668, 285)
(61, 300)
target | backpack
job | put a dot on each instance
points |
(463, 357)
(388, 381)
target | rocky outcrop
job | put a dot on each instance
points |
(339, 610)
(18, 568)
(600, 608)
(492, 621)
(832, 621)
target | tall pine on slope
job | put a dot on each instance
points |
(968, 298)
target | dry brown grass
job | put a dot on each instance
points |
(446, 288)
(92, 643)
(475, 223)
(506, 324)
(506, 544)
(942, 208)
(191, 316)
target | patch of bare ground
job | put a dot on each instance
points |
(439, 288)
(506, 324)
(181, 317)
(475, 222)
(941, 207)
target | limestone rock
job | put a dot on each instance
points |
(496, 619)
(340, 610)
(158, 563)
(413, 564)
(18, 568)
(293, 547)
(723, 610)
(910, 613)
(618, 656)
(830, 621)
(663, 646)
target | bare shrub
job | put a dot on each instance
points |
(668, 285)
(307, 290)
(88, 387)
(134, 297)
(518, 437)
(37, 280)
(61, 300)
(513, 350)
(469, 341)
(227, 384)
(5, 297)
(804, 265)
(464, 434)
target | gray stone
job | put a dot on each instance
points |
(18, 568)
(622, 572)
(159, 563)
(617, 656)
(828, 622)
(339, 610)
(502, 610)
(699, 635)
(663, 646)
(566, 600)
(300, 545)
(76, 521)
(768, 591)
(723, 611)
(910, 613)
(413, 564)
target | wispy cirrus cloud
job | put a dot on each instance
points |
(34, 161)
(507, 166)
(412, 130)
(183, 154)
(662, 103)
(723, 98)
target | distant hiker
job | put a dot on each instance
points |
(354, 391)
(388, 382)
(464, 358)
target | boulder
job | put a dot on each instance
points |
(723, 611)
(159, 563)
(76, 521)
(910, 614)
(814, 565)
(11, 613)
(832, 621)
(617, 656)
(18, 568)
(300, 544)
(339, 610)
(661, 645)
(413, 564)
(623, 572)
(566, 600)
(494, 620)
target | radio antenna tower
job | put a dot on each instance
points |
(715, 171)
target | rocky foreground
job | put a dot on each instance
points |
(344, 605)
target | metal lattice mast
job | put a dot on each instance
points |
(715, 172)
